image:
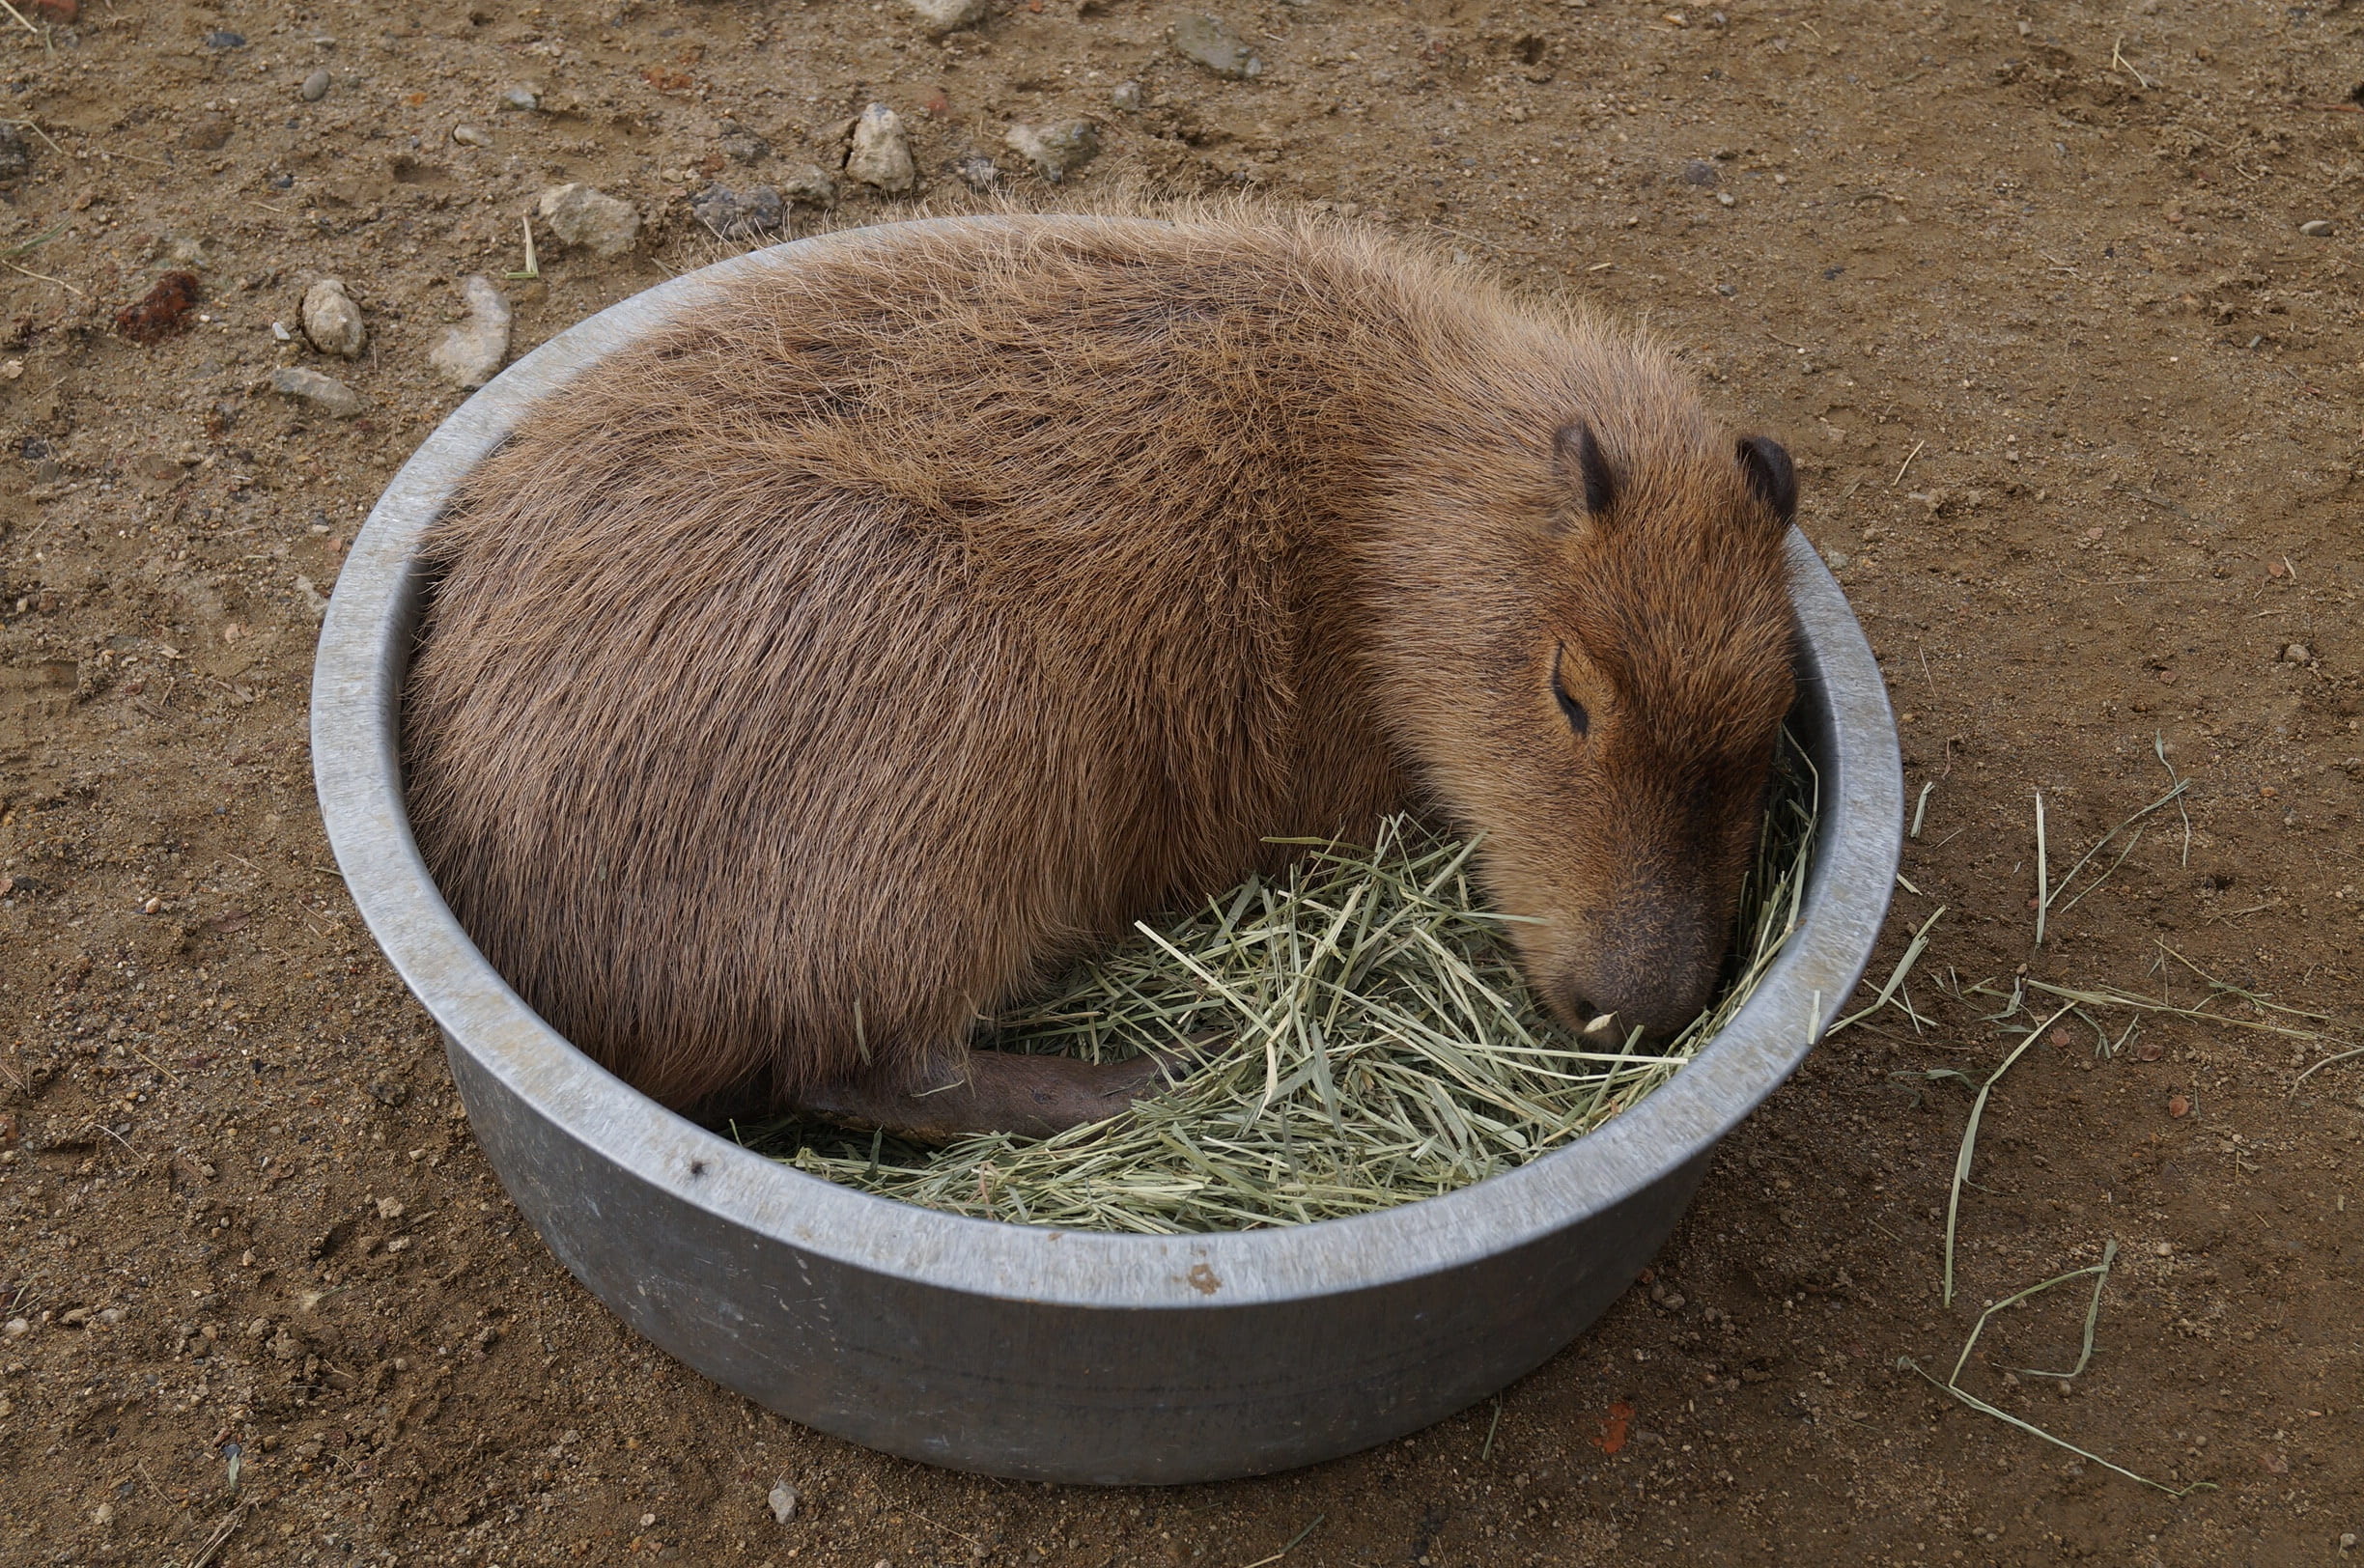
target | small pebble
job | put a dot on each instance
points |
(783, 1500)
(1724, 198)
(733, 215)
(576, 214)
(1057, 151)
(471, 136)
(332, 320)
(2295, 654)
(314, 87)
(742, 146)
(977, 171)
(1727, 291)
(881, 155)
(1210, 43)
(646, 1520)
(155, 905)
(2178, 1106)
(326, 393)
(16, 1328)
(942, 16)
(2165, 1249)
(472, 352)
(810, 185)
(2316, 229)
(16, 151)
(1126, 97)
(103, 1515)
(1699, 172)
(520, 98)
(224, 39)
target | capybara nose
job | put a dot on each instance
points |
(1659, 1014)
(1657, 985)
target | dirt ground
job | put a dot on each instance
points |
(2075, 402)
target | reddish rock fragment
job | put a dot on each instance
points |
(163, 311)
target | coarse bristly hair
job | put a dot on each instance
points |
(902, 620)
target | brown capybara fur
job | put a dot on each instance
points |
(836, 662)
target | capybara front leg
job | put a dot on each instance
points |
(995, 1091)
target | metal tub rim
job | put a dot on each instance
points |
(363, 655)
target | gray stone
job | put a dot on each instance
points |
(576, 214)
(1126, 97)
(332, 320)
(314, 87)
(733, 215)
(1699, 172)
(326, 393)
(941, 16)
(1057, 151)
(472, 137)
(520, 98)
(881, 155)
(742, 146)
(2318, 229)
(16, 151)
(1211, 42)
(783, 1501)
(977, 171)
(810, 185)
(470, 353)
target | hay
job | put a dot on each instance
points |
(1359, 1036)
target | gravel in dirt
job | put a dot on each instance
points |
(2073, 403)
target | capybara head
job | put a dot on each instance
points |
(1626, 693)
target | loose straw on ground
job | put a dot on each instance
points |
(2099, 1272)
(1358, 1035)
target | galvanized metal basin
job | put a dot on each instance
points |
(1023, 1352)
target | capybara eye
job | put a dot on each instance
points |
(1578, 720)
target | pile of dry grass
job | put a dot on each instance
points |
(1360, 1036)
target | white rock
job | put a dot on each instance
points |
(332, 320)
(470, 353)
(881, 155)
(941, 16)
(326, 393)
(783, 1500)
(580, 215)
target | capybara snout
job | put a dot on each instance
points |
(903, 619)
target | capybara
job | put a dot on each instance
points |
(912, 615)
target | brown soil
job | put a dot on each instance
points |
(2074, 400)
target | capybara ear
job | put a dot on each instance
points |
(1578, 459)
(1766, 463)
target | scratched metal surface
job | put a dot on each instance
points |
(1024, 1351)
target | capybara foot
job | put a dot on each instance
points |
(995, 1091)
